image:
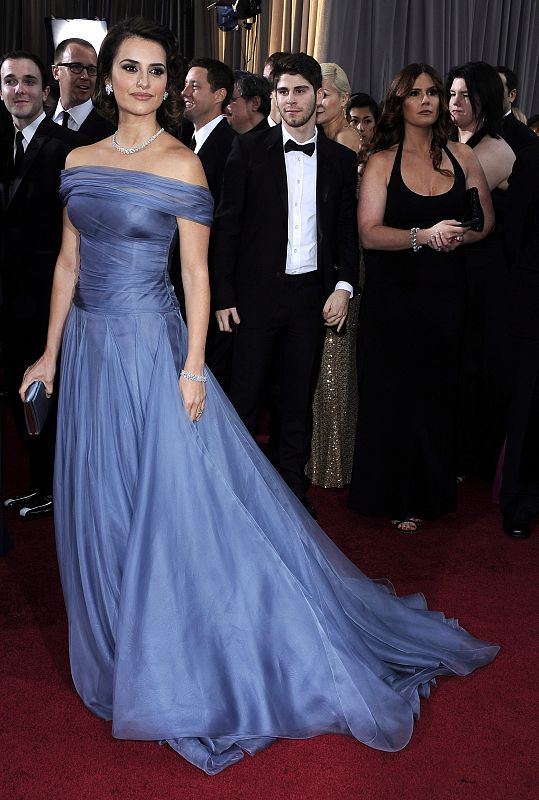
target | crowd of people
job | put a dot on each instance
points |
(344, 268)
(321, 429)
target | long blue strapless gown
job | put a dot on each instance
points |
(206, 608)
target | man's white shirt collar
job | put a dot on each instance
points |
(78, 114)
(287, 136)
(29, 131)
(202, 134)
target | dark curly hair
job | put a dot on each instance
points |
(170, 111)
(390, 126)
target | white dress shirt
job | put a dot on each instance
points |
(77, 114)
(301, 251)
(302, 247)
(202, 134)
(28, 132)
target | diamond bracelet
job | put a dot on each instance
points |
(192, 376)
(413, 239)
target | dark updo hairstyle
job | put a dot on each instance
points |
(170, 111)
(390, 126)
(485, 92)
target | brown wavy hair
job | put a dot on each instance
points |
(170, 111)
(390, 127)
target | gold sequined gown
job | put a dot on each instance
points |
(335, 407)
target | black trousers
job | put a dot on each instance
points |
(519, 496)
(23, 341)
(291, 332)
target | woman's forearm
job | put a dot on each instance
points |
(63, 287)
(197, 307)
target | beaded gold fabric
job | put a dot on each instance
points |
(335, 408)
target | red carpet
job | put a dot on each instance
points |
(477, 736)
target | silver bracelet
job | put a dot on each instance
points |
(413, 239)
(192, 376)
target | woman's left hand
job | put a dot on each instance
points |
(194, 397)
(446, 235)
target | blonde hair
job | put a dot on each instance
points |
(520, 115)
(337, 76)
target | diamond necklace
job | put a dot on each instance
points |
(127, 151)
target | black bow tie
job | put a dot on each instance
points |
(308, 148)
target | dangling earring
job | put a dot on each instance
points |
(165, 95)
(108, 88)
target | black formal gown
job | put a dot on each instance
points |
(409, 335)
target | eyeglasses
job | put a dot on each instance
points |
(78, 69)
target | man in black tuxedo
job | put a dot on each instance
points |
(32, 154)
(516, 134)
(75, 69)
(519, 497)
(208, 88)
(286, 256)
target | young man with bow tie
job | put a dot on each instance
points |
(286, 258)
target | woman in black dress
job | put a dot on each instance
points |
(412, 196)
(475, 93)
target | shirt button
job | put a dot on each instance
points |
(296, 226)
(295, 250)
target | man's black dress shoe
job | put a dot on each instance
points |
(40, 506)
(517, 528)
(20, 499)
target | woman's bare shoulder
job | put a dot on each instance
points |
(383, 159)
(464, 154)
(88, 155)
(495, 147)
(349, 137)
(175, 160)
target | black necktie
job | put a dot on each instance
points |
(192, 143)
(65, 119)
(308, 148)
(19, 153)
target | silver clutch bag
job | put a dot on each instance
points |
(36, 407)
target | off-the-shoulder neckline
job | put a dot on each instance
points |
(96, 167)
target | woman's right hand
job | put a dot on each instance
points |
(44, 369)
(445, 236)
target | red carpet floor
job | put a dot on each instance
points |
(477, 736)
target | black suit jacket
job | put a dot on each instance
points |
(31, 219)
(251, 224)
(95, 127)
(263, 125)
(522, 242)
(516, 134)
(214, 153)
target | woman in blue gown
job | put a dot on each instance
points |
(205, 606)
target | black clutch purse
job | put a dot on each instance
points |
(473, 217)
(36, 407)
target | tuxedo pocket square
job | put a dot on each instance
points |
(36, 407)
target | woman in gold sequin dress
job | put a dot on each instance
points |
(335, 399)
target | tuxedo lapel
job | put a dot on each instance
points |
(213, 138)
(276, 163)
(323, 182)
(38, 140)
